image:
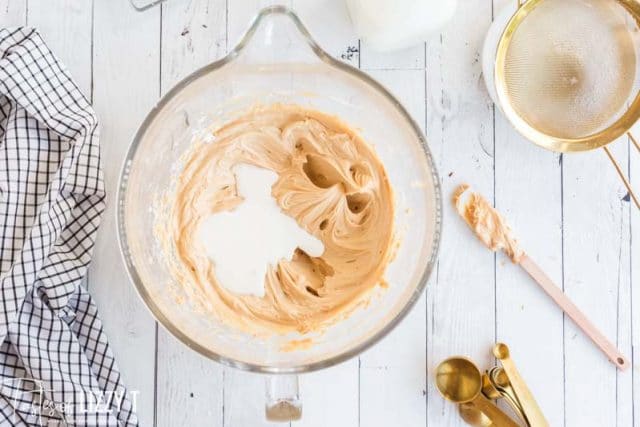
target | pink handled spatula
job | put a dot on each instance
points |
(492, 230)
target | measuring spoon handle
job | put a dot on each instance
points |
(530, 408)
(495, 414)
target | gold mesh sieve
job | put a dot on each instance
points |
(567, 73)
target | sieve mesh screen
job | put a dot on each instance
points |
(570, 67)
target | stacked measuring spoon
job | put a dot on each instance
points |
(459, 380)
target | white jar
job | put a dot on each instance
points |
(395, 24)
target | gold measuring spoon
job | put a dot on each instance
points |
(530, 407)
(460, 381)
(501, 386)
(488, 389)
(474, 416)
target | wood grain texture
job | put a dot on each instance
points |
(193, 34)
(337, 387)
(67, 30)
(634, 214)
(13, 13)
(596, 278)
(126, 85)
(460, 312)
(570, 213)
(244, 394)
(527, 320)
(411, 58)
(393, 378)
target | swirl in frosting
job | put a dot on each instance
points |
(329, 180)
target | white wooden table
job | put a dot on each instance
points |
(568, 211)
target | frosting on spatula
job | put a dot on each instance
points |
(486, 222)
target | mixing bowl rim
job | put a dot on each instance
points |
(132, 272)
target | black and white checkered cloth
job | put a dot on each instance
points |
(56, 367)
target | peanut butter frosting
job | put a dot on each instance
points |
(329, 180)
(487, 224)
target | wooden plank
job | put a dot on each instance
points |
(527, 320)
(393, 378)
(193, 34)
(336, 387)
(244, 393)
(634, 172)
(126, 86)
(596, 277)
(624, 380)
(411, 58)
(624, 283)
(67, 30)
(189, 386)
(460, 132)
(624, 338)
(460, 303)
(13, 13)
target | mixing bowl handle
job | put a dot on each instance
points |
(283, 398)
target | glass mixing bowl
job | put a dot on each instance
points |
(278, 61)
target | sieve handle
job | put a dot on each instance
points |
(616, 165)
(283, 398)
